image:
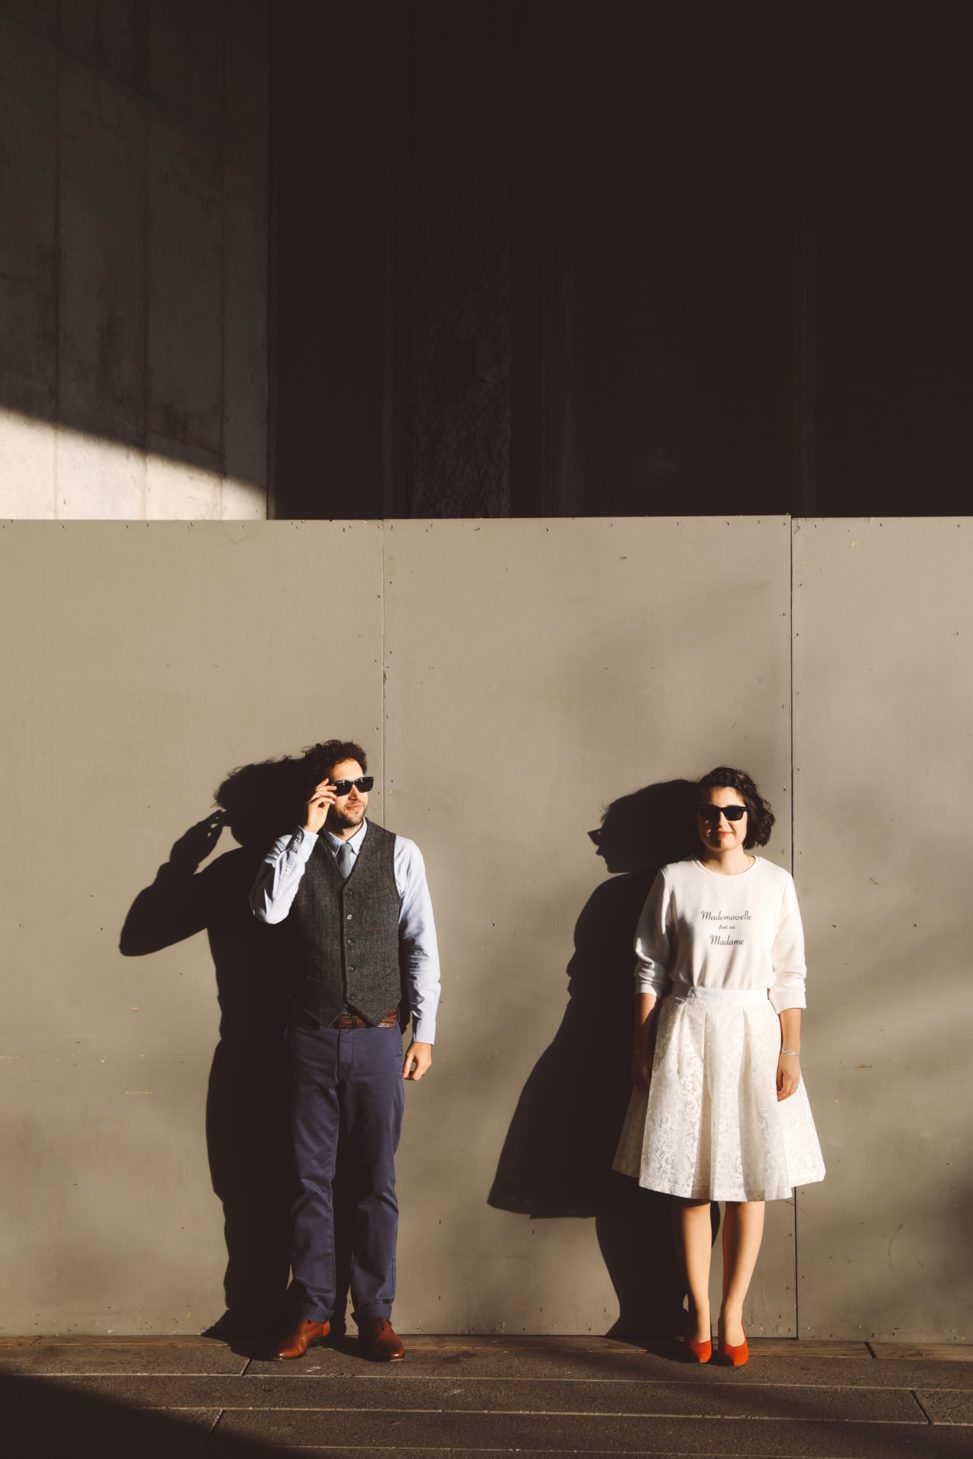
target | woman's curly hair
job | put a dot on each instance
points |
(760, 818)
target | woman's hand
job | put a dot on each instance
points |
(646, 1006)
(788, 1075)
(642, 1068)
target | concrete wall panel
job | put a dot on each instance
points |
(101, 322)
(186, 71)
(179, 486)
(537, 671)
(28, 234)
(511, 679)
(141, 664)
(40, 15)
(100, 478)
(111, 35)
(133, 260)
(28, 471)
(185, 293)
(883, 621)
(533, 672)
(245, 282)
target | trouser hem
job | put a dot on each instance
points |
(372, 1309)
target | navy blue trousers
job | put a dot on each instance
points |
(345, 1088)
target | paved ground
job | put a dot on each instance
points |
(489, 1397)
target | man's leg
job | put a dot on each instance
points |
(371, 1124)
(315, 1115)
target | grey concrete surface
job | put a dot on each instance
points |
(520, 1394)
(628, 1401)
(133, 260)
(883, 621)
(151, 672)
(511, 679)
(103, 1359)
(947, 1406)
(549, 668)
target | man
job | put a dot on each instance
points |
(360, 948)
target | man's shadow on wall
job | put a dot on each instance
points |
(556, 1159)
(248, 1139)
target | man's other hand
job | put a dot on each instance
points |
(418, 1058)
(316, 810)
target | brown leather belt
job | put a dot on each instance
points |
(354, 1020)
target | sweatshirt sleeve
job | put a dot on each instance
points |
(790, 969)
(653, 948)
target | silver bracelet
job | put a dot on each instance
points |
(795, 1052)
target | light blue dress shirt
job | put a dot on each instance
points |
(276, 886)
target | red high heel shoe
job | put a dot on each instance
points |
(732, 1355)
(698, 1352)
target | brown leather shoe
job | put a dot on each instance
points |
(379, 1341)
(303, 1336)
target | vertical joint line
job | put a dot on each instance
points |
(383, 528)
(57, 262)
(793, 530)
(224, 63)
(146, 224)
(272, 194)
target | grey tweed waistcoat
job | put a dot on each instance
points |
(343, 935)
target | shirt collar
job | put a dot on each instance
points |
(353, 841)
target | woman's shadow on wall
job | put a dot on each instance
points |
(247, 1133)
(556, 1159)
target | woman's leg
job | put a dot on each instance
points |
(743, 1229)
(694, 1237)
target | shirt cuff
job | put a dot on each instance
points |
(784, 998)
(308, 841)
(651, 983)
(424, 1031)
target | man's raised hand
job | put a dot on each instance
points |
(316, 810)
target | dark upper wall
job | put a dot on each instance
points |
(632, 258)
(133, 258)
(392, 258)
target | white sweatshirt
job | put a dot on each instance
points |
(707, 930)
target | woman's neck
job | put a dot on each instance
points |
(727, 863)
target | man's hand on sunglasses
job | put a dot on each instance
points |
(316, 810)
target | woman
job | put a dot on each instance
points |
(719, 1112)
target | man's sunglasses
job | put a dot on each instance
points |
(342, 787)
(713, 812)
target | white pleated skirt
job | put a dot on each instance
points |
(711, 1126)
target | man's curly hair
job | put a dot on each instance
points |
(321, 759)
(760, 818)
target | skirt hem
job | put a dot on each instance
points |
(783, 1194)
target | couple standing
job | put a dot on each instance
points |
(719, 1109)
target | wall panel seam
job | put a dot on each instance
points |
(224, 62)
(58, 265)
(145, 221)
(383, 669)
(792, 530)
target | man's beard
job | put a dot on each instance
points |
(346, 818)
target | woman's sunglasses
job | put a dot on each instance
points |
(713, 812)
(342, 787)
